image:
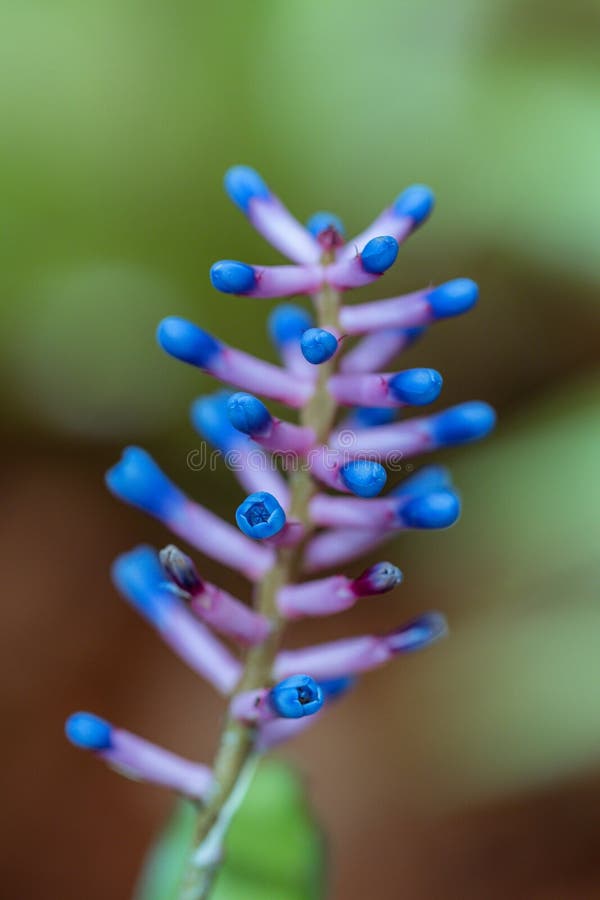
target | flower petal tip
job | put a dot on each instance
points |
(243, 184)
(248, 414)
(379, 254)
(363, 477)
(260, 516)
(318, 345)
(232, 277)
(187, 342)
(89, 732)
(453, 298)
(416, 203)
(416, 387)
(296, 697)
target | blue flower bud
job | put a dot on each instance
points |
(295, 697)
(88, 731)
(463, 423)
(243, 184)
(371, 416)
(288, 323)
(260, 516)
(332, 688)
(379, 254)
(180, 569)
(187, 342)
(416, 386)
(453, 297)
(416, 201)
(418, 634)
(138, 480)
(139, 576)
(321, 221)
(318, 345)
(364, 477)
(232, 277)
(425, 481)
(249, 414)
(439, 509)
(210, 419)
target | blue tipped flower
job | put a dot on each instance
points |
(248, 414)
(138, 480)
(364, 477)
(244, 184)
(379, 254)
(418, 634)
(463, 423)
(439, 509)
(318, 345)
(416, 386)
(140, 577)
(187, 342)
(232, 277)
(453, 298)
(211, 420)
(415, 202)
(295, 697)
(332, 688)
(322, 221)
(88, 731)
(260, 516)
(287, 323)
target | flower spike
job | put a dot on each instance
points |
(139, 759)
(269, 216)
(188, 342)
(411, 310)
(289, 525)
(211, 604)
(140, 578)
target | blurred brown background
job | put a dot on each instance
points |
(469, 771)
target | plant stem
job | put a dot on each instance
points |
(235, 762)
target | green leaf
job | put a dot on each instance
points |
(165, 864)
(274, 848)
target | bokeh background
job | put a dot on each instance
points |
(469, 771)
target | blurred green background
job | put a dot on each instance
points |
(118, 122)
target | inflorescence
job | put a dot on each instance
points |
(317, 509)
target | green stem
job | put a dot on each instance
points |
(235, 762)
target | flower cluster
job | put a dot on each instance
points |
(311, 507)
